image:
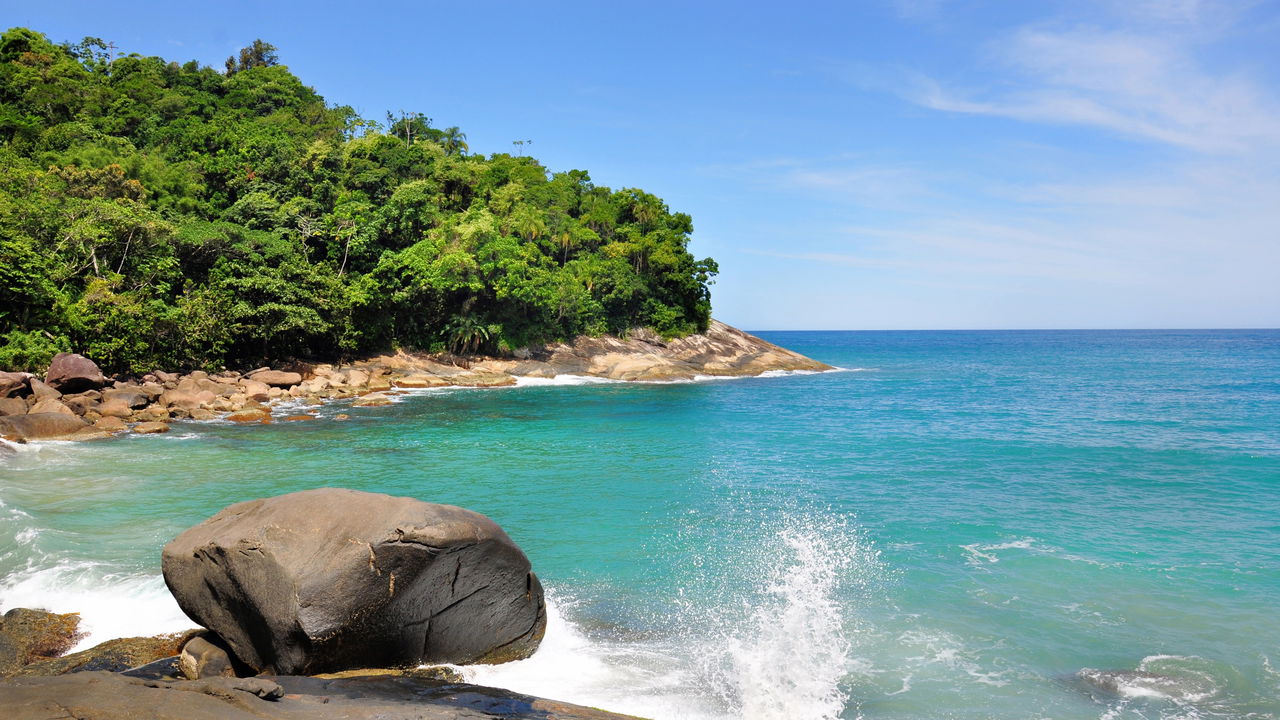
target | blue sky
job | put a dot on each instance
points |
(892, 164)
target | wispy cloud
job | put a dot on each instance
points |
(1141, 86)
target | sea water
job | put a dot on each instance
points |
(953, 525)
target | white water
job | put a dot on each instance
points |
(782, 656)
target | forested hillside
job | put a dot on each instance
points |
(157, 215)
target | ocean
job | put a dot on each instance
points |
(1012, 525)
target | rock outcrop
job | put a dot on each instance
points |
(331, 579)
(110, 696)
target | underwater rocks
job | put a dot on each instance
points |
(330, 579)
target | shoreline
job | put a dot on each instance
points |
(32, 409)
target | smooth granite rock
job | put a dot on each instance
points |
(73, 373)
(40, 426)
(330, 579)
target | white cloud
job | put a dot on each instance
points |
(1141, 86)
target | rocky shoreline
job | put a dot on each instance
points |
(325, 603)
(74, 401)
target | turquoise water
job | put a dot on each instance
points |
(955, 525)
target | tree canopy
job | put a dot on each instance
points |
(164, 215)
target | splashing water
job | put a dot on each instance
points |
(777, 649)
(795, 652)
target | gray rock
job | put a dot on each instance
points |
(330, 579)
(73, 373)
(111, 696)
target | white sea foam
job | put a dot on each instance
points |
(564, 380)
(784, 656)
(111, 605)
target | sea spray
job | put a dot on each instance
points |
(769, 636)
(789, 659)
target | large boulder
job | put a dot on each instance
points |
(277, 378)
(330, 579)
(73, 373)
(40, 426)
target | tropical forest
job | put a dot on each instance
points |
(161, 215)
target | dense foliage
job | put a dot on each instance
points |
(158, 215)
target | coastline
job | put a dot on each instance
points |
(36, 410)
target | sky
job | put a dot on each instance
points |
(867, 164)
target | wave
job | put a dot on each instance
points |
(785, 654)
(110, 604)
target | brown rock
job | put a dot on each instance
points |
(14, 384)
(41, 391)
(12, 406)
(166, 377)
(342, 416)
(277, 378)
(51, 406)
(299, 418)
(73, 373)
(40, 426)
(150, 428)
(133, 398)
(28, 636)
(202, 414)
(483, 379)
(378, 384)
(373, 399)
(116, 408)
(111, 424)
(421, 380)
(205, 655)
(248, 415)
(357, 377)
(112, 655)
(253, 387)
(187, 399)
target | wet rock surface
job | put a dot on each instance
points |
(330, 579)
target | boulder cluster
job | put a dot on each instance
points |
(75, 401)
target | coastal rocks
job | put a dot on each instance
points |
(250, 415)
(40, 426)
(276, 378)
(111, 696)
(73, 373)
(205, 655)
(28, 636)
(50, 405)
(151, 428)
(113, 655)
(331, 579)
(12, 406)
(13, 384)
